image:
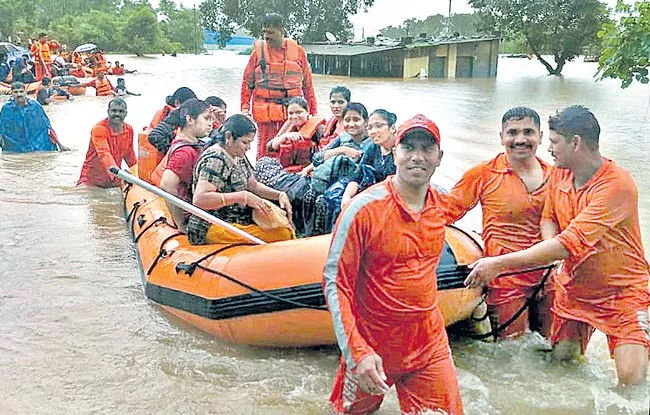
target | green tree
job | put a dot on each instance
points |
(561, 28)
(434, 26)
(305, 20)
(141, 32)
(626, 45)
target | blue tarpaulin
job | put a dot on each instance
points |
(25, 128)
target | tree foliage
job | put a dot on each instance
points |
(561, 28)
(436, 26)
(113, 25)
(305, 20)
(626, 45)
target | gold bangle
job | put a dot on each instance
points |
(223, 199)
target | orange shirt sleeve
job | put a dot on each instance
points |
(308, 84)
(99, 140)
(611, 203)
(248, 81)
(466, 194)
(548, 212)
(342, 271)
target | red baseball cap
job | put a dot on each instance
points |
(418, 121)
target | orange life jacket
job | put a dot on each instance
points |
(148, 156)
(41, 51)
(330, 132)
(160, 115)
(297, 154)
(103, 87)
(275, 81)
(157, 174)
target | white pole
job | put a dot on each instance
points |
(184, 205)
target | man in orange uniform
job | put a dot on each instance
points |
(277, 70)
(111, 141)
(40, 50)
(380, 286)
(511, 189)
(590, 220)
(103, 87)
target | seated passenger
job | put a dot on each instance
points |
(339, 98)
(377, 162)
(20, 72)
(298, 138)
(111, 142)
(218, 109)
(24, 126)
(47, 91)
(195, 121)
(172, 102)
(344, 152)
(223, 184)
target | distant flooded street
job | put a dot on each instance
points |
(78, 336)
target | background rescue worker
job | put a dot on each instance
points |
(41, 51)
(277, 70)
(511, 189)
(380, 286)
(24, 126)
(590, 220)
(103, 87)
(111, 141)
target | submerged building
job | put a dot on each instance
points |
(448, 58)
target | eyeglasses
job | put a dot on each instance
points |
(377, 126)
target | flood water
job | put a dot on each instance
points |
(77, 334)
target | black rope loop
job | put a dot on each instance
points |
(495, 331)
(162, 252)
(190, 268)
(161, 219)
(126, 190)
(135, 207)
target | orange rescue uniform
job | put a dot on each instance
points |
(285, 73)
(107, 148)
(380, 286)
(42, 58)
(604, 282)
(511, 222)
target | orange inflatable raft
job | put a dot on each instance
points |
(261, 295)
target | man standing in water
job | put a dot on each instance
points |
(277, 70)
(24, 126)
(591, 221)
(511, 189)
(111, 141)
(380, 286)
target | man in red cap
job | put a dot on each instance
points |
(380, 286)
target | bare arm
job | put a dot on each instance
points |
(350, 190)
(169, 183)
(543, 253)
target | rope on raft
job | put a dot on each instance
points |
(495, 331)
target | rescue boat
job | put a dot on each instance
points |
(262, 295)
